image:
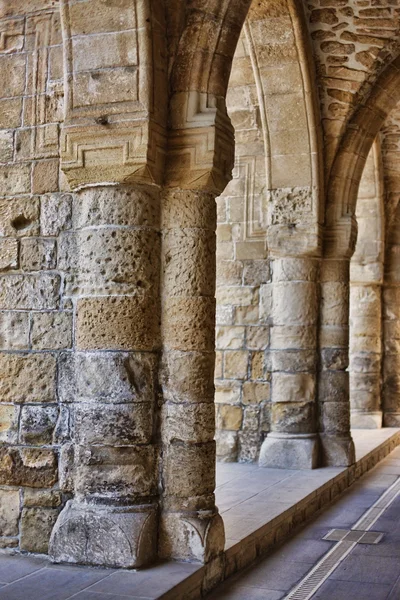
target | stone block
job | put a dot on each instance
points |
(37, 425)
(51, 330)
(29, 292)
(45, 176)
(227, 445)
(189, 423)
(256, 272)
(19, 217)
(289, 452)
(229, 417)
(294, 303)
(257, 365)
(15, 179)
(229, 337)
(8, 254)
(38, 254)
(9, 512)
(257, 337)
(36, 527)
(101, 470)
(247, 315)
(293, 337)
(189, 324)
(124, 323)
(107, 377)
(227, 392)
(110, 261)
(256, 392)
(291, 360)
(14, 330)
(187, 376)
(122, 537)
(30, 467)
(9, 416)
(335, 418)
(113, 424)
(224, 315)
(189, 264)
(334, 386)
(293, 387)
(335, 303)
(236, 364)
(235, 295)
(125, 206)
(27, 378)
(10, 112)
(294, 417)
(55, 213)
(43, 498)
(189, 469)
(12, 75)
(6, 145)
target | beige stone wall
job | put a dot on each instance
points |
(35, 311)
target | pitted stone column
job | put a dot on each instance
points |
(293, 440)
(333, 385)
(391, 328)
(107, 383)
(365, 355)
(191, 528)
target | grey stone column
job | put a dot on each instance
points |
(108, 383)
(333, 384)
(365, 355)
(191, 528)
(293, 440)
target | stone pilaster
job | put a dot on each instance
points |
(333, 385)
(293, 441)
(107, 385)
(365, 355)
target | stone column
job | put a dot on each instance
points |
(333, 385)
(107, 384)
(293, 441)
(191, 527)
(391, 328)
(365, 355)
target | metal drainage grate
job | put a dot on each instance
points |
(347, 540)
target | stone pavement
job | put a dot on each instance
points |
(369, 571)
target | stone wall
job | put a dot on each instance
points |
(35, 311)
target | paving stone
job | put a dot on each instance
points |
(339, 590)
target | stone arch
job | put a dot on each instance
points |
(271, 209)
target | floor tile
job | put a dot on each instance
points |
(368, 569)
(15, 567)
(274, 574)
(236, 592)
(88, 595)
(147, 582)
(50, 584)
(345, 590)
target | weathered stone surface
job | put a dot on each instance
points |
(55, 213)
(9, 512)
(14, 330)
(8, 254)
(289, 452)
(51, 330)
(27, 377)
(117, 323)
(38, 254)
(189, 424)
(29, 292)
(36, 528)
(37, 424)
(31, 467)
(189, 469)
(45, 498)
(107, 377)
(19, 217)
(9, 416)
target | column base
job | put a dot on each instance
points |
(366, 420)
(337, 451)
(191, 536)
(106, 536)
(391, 419)
(289, 451)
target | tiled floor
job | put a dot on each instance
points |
(248, 498)
(369, 572)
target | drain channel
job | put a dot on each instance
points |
(320, 573)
